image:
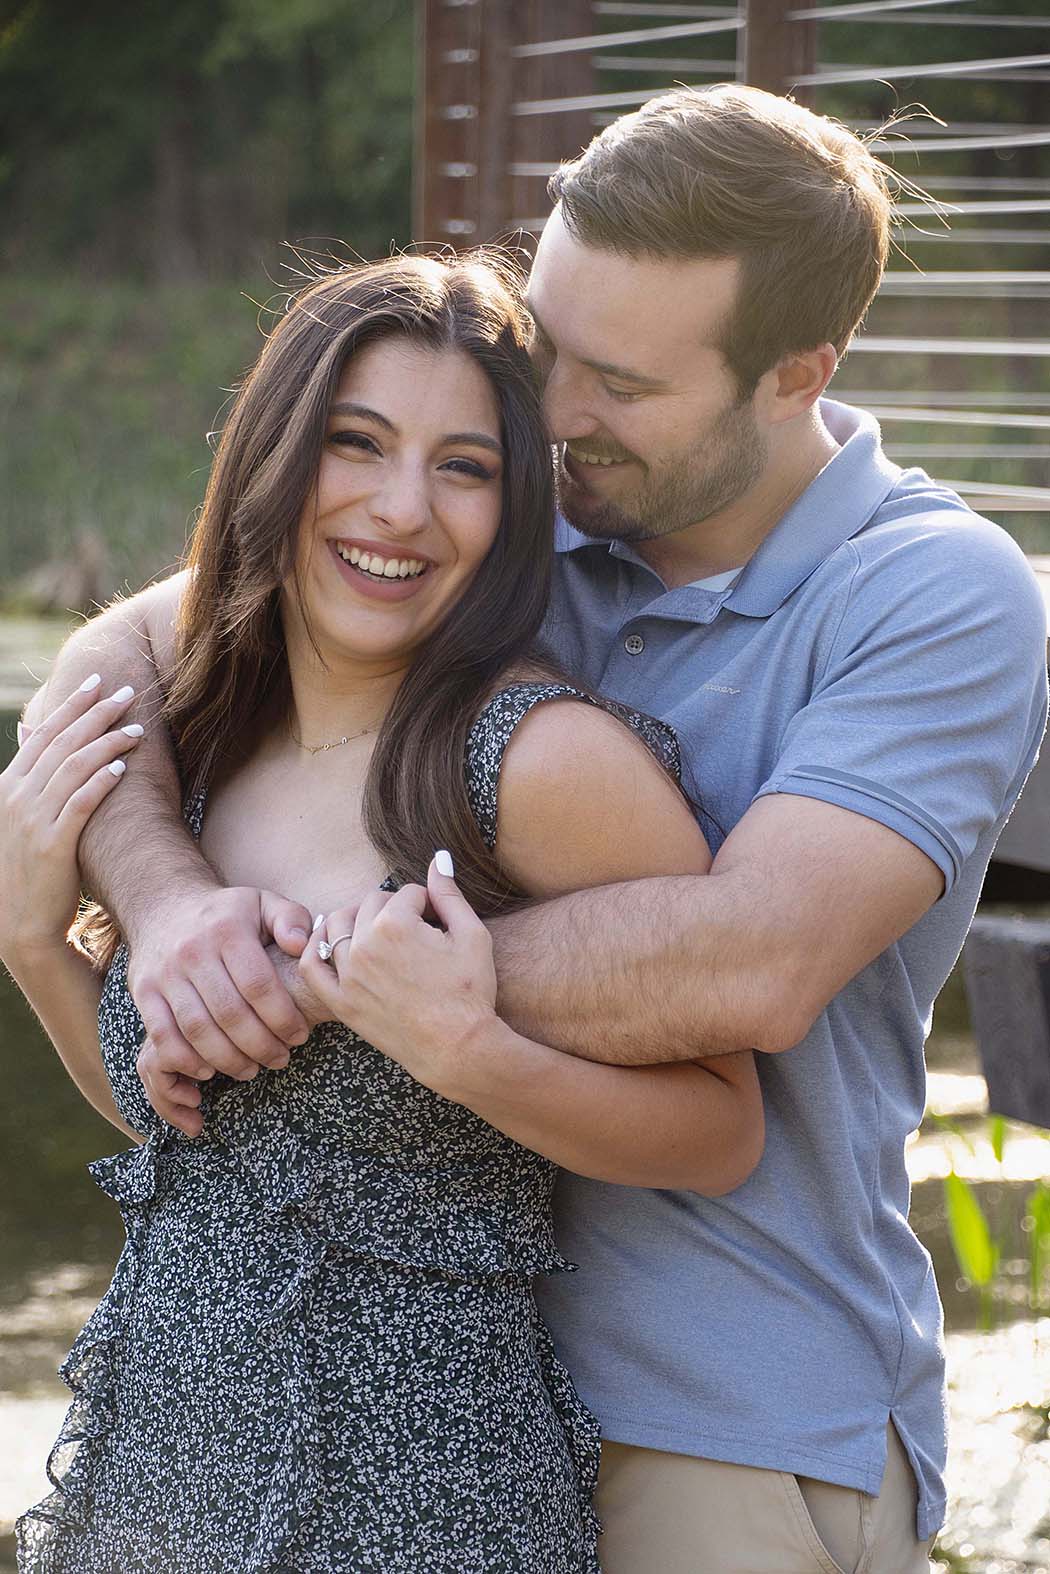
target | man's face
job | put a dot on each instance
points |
(655, 436)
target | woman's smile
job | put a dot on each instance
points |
(381, 573)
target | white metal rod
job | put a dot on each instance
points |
(977, 237)
(1022, 205)
(637, 35)
(669, 67)
(946, 68)
(994, 451)
(975, 399)
(619, 8)
(821, 13)
(984, 183)
(953, 417)
(1030, 139)
(563, 106)
(885, 345)
(1036, 496)
(1033, 23)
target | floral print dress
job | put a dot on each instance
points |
(320, 1353)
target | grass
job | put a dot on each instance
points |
(106, 395)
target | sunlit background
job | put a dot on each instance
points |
(168, 173)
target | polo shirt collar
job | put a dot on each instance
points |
(837, 504)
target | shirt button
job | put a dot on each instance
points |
(634, 644)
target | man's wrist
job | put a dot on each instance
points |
(194, 884)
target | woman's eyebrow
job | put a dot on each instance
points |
(363, 413)
(478, 439)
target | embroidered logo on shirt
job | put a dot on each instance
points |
(720, 688)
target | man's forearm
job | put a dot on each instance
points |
(655, 970)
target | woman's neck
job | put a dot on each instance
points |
(328, 703)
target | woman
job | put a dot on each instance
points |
(320, 1350)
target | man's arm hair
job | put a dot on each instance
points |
(800, 898)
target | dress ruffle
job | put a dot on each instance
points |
(130, 1178)
(315, 1201)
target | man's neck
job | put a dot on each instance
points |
(729, 538)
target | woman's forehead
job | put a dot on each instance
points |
(400, 376)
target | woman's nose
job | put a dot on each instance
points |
(402, 501)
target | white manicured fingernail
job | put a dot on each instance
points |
(318, 921)
(133, 729)
(444, 865)
(123, 694)
(22, 733)
(118, 767)
(91, 683)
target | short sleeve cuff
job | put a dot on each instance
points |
(875, 803)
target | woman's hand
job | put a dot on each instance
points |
(422, 995)
(63, 770)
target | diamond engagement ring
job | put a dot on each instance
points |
(326, 947)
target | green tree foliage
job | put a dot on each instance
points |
(183, 141)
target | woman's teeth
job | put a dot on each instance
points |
(381, 567)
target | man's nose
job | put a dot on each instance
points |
(564, 407)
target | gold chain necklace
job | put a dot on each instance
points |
(322, 748)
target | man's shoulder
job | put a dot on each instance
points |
(925, 537)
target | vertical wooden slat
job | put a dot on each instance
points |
(775, 52)
(551, 138)
(467, 136)
(445, 179)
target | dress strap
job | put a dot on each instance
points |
(491, 732)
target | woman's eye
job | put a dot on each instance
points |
(471, 467)
(354, 440)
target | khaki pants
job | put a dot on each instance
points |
(672, 1514)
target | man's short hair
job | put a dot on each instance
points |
(731, 171)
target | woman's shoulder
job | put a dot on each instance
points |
(568, 787)
(518, 711)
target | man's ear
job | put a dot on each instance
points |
(799, 380)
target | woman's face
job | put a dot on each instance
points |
(407, 503)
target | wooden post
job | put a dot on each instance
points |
(467, 136)
(776, 51)
(540, 139)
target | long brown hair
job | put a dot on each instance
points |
(230, 676)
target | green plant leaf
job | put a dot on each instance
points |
(975, 1251)
(1037, 1226)
(997, 1136)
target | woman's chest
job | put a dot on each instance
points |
(305, 842)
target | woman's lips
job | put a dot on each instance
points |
(374, 588)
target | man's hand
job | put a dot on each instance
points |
(209, 995)
(171, 1075)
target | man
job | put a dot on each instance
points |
(855, 665)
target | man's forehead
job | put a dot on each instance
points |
(597, 303)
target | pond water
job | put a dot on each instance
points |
(60, 1238)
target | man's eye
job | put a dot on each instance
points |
(624, 395)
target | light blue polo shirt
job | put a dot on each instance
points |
(884, 650)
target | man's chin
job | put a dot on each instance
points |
(595, 516)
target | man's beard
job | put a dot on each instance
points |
(692, 487)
